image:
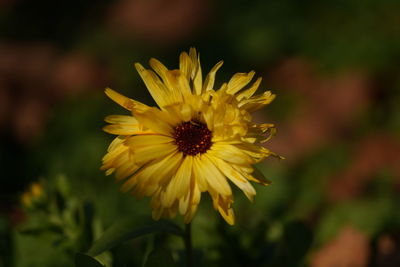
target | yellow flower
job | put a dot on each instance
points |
(32, 195)
(195, 141)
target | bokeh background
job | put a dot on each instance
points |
(334, 66)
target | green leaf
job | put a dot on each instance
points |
(83, 260)
(160, 257)
(128, 229)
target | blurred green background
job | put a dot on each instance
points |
(334, 66)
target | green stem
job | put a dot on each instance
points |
(188, 245)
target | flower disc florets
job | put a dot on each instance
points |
(192, 138)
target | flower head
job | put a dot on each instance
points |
(33, 195)
(195, 141)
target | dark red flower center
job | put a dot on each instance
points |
(192, 137)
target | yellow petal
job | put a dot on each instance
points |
(196, 75)
(260, 133)
(178, 82)
(209, 82)
(153, 84)
(123, 129)
(157, 121)
(256, 152)
(147, 140)
(193, 201)
(166, 169)
(174, 95)
(148, 153)
(223, 205)
(158, 67)
(230, 153)
(237, 178)
(208, 116)
(123, 125)
(154, 173)
(199, 179)
(256, 176)
(256, 102)
(110, 158)
(238, 81)
(185, 65)
(126, 170)
(206, 171)
(121, 119)
(227, 214)
(179, 185)
(190, 214)
(181, 113)
(184, 203)
(124, 101)
(109, 171)
(249, 92)
(116, 143)
(116, 158)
